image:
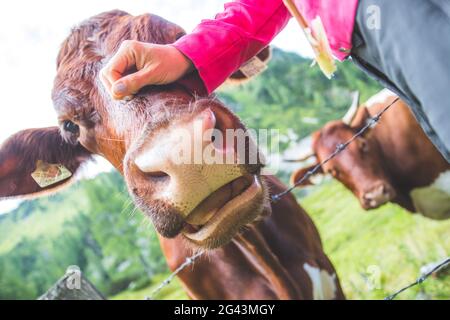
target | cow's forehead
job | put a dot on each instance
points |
(104, 33)
(331, 132)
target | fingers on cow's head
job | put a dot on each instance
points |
(38, 161)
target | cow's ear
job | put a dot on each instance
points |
(361, 118)
(253, 67)
(38, 161)
(300, 173)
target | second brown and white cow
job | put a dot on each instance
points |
(193, 206)
(393, 161)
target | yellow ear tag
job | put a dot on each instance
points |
(253, 67)
(47, 174)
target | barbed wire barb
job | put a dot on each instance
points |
(421, 279)
(189, 261)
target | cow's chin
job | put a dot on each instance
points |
(218, 218)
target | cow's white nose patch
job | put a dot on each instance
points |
(324, 284)
(174, 153)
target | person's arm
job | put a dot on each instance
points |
(218, 47)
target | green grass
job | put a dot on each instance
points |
(389, 242)
(388, 245)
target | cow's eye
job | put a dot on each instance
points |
(364, 146)
(71, 127)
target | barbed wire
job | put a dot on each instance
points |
(339, 148)
(274, 198)
(421, 279)
(189, 261)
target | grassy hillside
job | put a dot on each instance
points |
(32, 214)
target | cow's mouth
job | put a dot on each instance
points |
(222, 214)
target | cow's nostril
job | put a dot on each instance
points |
(158, 176)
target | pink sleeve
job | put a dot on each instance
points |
(219, 47)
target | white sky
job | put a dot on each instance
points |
(31, 32)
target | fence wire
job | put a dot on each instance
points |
(339, 148)
(189, 261)
(421, 279)
(274, 198)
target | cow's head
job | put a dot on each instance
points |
(360, 167)
(207, 202)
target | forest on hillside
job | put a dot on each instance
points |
(293, 96)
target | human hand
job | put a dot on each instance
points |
(155, 64)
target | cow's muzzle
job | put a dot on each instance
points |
(378, 195)
(203, 170)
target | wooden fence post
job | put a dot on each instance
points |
(72, 286)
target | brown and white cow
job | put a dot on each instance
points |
(393, 161)
(192, 206)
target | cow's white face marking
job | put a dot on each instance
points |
(433, 201)
(324, 284)
(380, 97)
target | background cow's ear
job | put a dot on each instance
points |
(253, 67)
(360, 119)
(297, 175)
(38, 161)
